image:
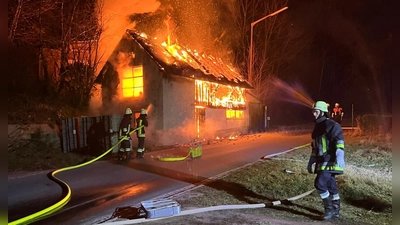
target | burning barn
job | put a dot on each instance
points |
(189, 95)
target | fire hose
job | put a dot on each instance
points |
(211, 208)
(59, 205)
(193, 152)
(220, 207)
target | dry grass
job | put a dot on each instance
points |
(365, 189)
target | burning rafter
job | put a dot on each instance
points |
(183, 61)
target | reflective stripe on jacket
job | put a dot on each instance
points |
(125, 126)
(141, 121)
(327, 136)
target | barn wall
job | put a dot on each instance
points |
(178, 111)
(218, 125)
(169, 101)
(152, 98)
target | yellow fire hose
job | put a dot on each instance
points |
(219, 207)
(56, 207)
(193, 152)
(197, 152)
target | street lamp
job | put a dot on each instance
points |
(250, 76)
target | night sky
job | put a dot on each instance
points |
(349, 60)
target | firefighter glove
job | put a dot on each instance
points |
(311, 161)
(340, 158)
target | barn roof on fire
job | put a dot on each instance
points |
(190, 64)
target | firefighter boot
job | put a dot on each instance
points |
(328, 208)
(139, 155)
(336, 208)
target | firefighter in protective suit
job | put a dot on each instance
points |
(141, 133)
(328, 156)
(337, 113)
(124, 131)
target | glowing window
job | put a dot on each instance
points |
(218, 95)
(132, 82)
(234, 114)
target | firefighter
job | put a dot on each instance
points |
(124, 131)
(140, 133)
(337, 113)
(328, 156)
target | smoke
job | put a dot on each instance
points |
(114, 19)
(178, 135)
(199, 25)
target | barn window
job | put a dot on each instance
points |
(132, 82)
(234, 114)
(218, 95)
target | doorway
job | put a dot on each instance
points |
(200, 118)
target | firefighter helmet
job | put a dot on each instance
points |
(321, 105)
(143, 111)
(128, 111)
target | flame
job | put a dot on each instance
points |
(207, 93)
(217, 95)
(174, 53)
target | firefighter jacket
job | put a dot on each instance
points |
(327, 137)
(125, 127)
(337, 112)
(141, 121)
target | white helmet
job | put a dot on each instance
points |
(143, 111)
(128, 111)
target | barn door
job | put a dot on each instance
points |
(200, 118)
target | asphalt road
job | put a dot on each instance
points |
(100, 188)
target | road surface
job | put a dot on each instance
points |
(101, 187)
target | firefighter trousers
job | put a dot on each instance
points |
(326, 182)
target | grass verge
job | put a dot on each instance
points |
(365, 189)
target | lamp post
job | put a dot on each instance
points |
(250, 76)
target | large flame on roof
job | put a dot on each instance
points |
(179, 55)
(215, 79)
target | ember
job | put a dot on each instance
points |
(190, 62)
(213, 86)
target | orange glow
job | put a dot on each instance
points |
(132, 82)
(217, 95)
(234, 114)
(207, 94)
(230, 114)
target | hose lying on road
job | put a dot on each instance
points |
(208, 209)
(193, 152)
(220, 207)
(56, 207)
